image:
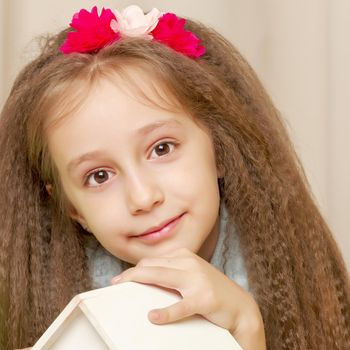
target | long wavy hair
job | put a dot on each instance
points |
(294, 267)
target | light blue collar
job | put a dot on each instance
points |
(227, 256)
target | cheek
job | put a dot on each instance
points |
(194, 174)
(107, 218)
(202, 165)
(102, 210)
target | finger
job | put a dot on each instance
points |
(180, 252)
(159, 261)
(178, 311)
(157, 275)
(181, 260)
(170, 262)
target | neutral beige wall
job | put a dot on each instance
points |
(339, 123)
(300, 50)
(2, 48)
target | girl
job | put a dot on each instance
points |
(140, 148)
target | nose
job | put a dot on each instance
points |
(143, 193)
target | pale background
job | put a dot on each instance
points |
(300, 50)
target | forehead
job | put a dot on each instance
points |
(133, 81)
(112, 105)
(110, 121)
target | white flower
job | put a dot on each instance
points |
(133, 22)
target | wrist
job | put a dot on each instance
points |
(249, 329)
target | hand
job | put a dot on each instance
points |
(205, 291)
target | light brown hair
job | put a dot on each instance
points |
(294, 267)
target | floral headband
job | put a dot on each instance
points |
(94, 31)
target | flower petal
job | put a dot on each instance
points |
(133, 22)
(171, 32)
(92, 31)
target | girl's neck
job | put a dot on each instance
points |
(207, 249)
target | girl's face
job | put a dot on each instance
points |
(128, 168)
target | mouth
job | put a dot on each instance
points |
(157, 233)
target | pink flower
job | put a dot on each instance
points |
(132, 22)
(171, 32)
(92, 32)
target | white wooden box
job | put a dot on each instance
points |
(115, 318)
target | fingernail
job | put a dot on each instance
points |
(116, 279)
(154, 315)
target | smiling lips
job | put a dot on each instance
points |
(157, 233)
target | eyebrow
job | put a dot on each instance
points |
(143, 131)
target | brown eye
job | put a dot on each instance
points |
(163, 149)
(100, 176)
(97, 178)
